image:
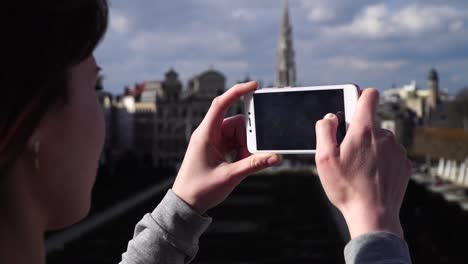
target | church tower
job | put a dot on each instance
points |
(433, 86)
(286, 66)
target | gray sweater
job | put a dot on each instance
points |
(171, 232)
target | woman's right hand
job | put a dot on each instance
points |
(206, 177)
(367, 175)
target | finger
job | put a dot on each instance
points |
(239, 170)
(403, 150)
(384, 134)
(221, 104)
(243, 152)
(327, 145)
(234, 136)
(233, 129)
(364, 115)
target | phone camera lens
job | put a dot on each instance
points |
(250, 131)
(249, 113)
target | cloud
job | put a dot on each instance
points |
(457, 26)
(362, 41)
(119, 22)
(332, 11)
(360, 64)
(322, 14)
(194, 67)
(379, 21)
(243, 14)
(173, 42)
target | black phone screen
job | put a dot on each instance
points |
(286, 120)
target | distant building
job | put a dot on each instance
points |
(150, 90)
(170, 122)
(286, 65)
(123, 123)
(400, 120)
(428, 104)
(408, 109)
(180, 112)
(433, 98)
(144, 129)
(157, 118)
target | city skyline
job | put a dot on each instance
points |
(386, 43)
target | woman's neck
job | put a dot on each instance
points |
(21, 227)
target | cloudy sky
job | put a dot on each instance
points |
(366, 42)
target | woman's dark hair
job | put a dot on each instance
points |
(41, 41)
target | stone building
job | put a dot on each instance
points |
(155, 119)
(123, 128)
(170, 122)
(180, 112)
(144, 129)
(428, 104)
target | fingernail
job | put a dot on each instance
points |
(251, 83)
(273, 160)
(329, 116)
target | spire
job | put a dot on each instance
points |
(286, 67)
(285, 23)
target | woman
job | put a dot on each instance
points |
(52, 133)
(51, 125)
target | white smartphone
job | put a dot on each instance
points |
(282, 120)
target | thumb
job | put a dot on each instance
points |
(239, 170)
(327, 146)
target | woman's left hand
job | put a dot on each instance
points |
(206, 177)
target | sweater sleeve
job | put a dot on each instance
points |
(377, 248)
(169, 234)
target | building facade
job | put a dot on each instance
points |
(180, 112)
(154, 120)
(170, 122)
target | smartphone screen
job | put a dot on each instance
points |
(286, 120)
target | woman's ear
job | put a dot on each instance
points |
(33, 141)
(33, 148)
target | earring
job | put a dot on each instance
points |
(37, 146)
